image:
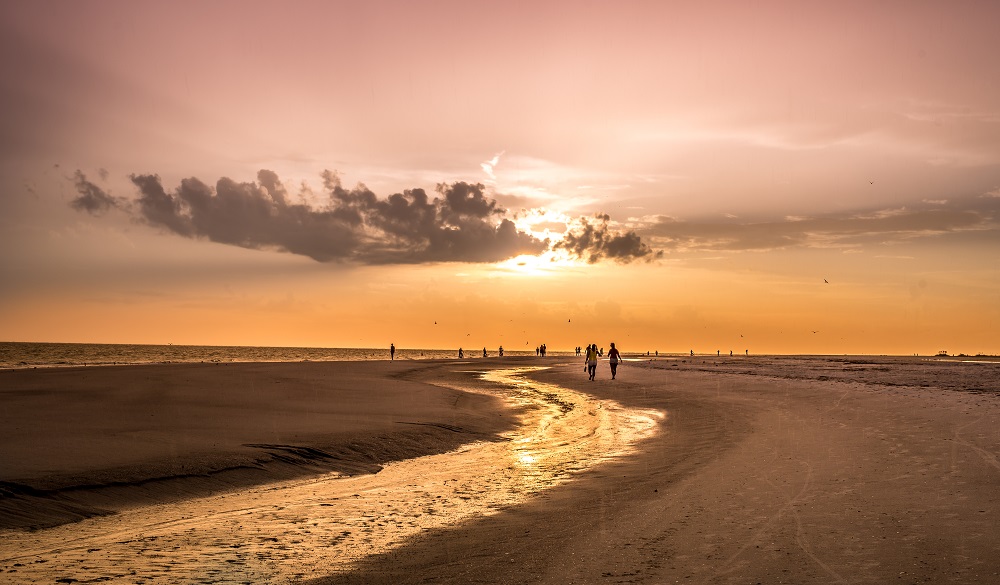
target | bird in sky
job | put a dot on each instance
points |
(826, 281)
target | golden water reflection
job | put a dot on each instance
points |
(307, 528)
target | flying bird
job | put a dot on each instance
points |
(826, 281)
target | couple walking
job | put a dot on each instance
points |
(614, 358)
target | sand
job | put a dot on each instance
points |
(760, 470)
(76, 442)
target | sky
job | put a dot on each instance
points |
(767, 177)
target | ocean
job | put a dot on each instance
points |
(38, 355)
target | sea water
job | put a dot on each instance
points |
(28, 355)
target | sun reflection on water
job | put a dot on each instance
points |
(289, 530)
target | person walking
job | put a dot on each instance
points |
(614, 358)
(592, 360)
(392, 352)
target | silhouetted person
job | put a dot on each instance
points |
(461, 354)
(592, 360)
(501, 351)
(392, 352)
(613, 358)
(484, 352)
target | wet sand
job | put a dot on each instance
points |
(760, 470)
(79, 442)
(794, 470)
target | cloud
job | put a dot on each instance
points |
(939, 217)
(490, 166)
(458, 222)
(593, 240)
(92, 198)
(354, 225)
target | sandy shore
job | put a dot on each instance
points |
(764, 470)
(796, 470)
(78, 442)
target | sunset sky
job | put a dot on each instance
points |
(778, 177)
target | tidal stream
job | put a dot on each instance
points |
(293, 530)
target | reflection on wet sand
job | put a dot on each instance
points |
(307, 528)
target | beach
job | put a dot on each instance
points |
(703, 469)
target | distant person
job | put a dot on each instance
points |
(461, 354)
(484, 352)
(501, 351)
(392, 352)
(718, 352)
(657, 353)
(748, 353)
(614, 358)
(692, 353)
(730, 353)
(538, 351)
(592, 360)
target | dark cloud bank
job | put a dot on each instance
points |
(458, 224)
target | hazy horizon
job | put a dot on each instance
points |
(818, 179)
(472, 351)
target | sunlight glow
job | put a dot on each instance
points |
(546, 264)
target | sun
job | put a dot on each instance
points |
(545, 264)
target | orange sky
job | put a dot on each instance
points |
(779, 177)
